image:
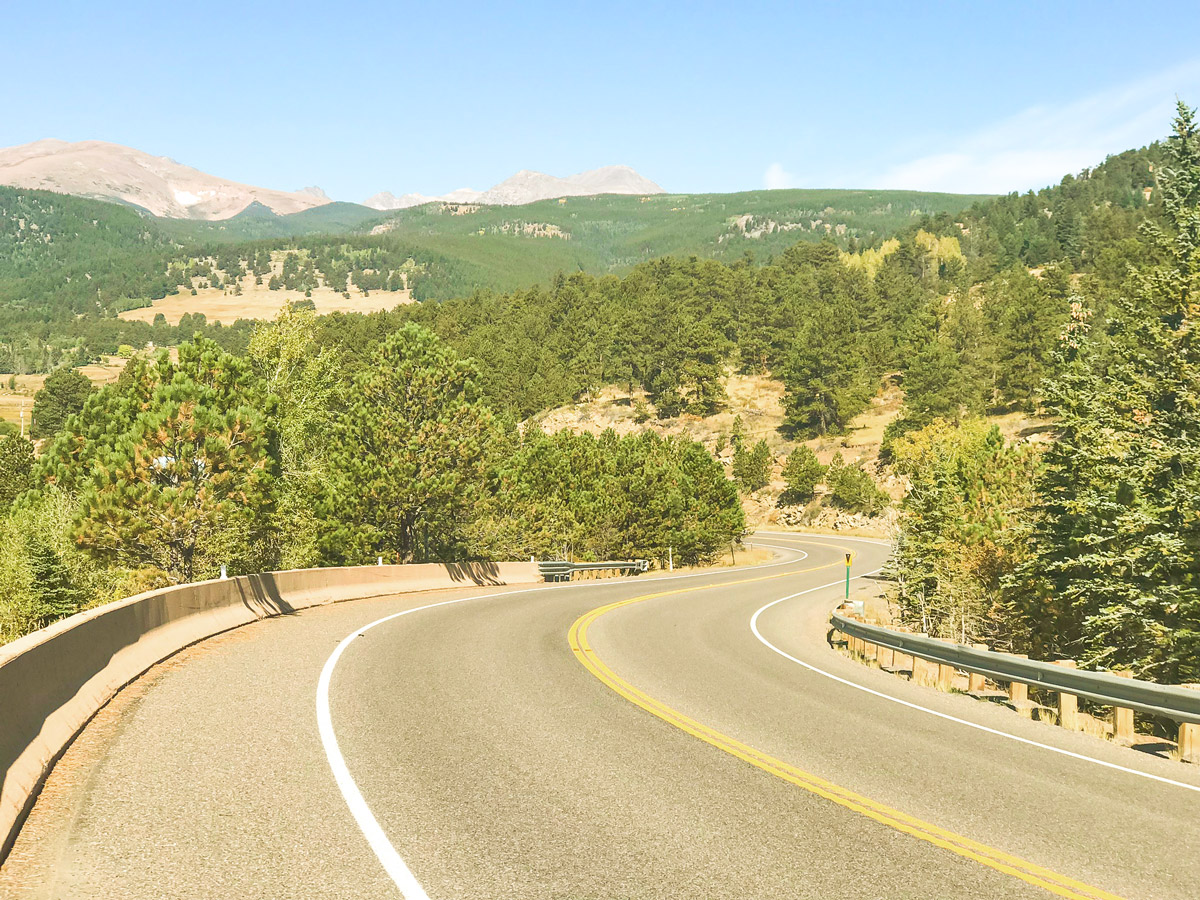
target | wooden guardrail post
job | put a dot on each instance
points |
(945, 677)
(1068, 704)
(1122, 719)
(903, 662)
(835, 636)
(1018, 692)
(936, 662)
(976, 682)
(857, 644)
(886, 657)
(923, 671)
(1189, 737)
(870, 651)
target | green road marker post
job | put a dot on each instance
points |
(847, 576)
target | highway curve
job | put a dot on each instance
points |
(649, 738)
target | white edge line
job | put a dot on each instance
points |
(391, 860)
(933, 712)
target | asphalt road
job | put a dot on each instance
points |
(576, 741)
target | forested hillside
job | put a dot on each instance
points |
(611, 234)
(75, 263)
(1074, 301)
(67, 266)
(290, 456)
(1086, 547)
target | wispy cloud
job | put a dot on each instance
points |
(1039, 145)
(776, 178)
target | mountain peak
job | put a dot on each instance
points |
(528, 186)
(159, 184)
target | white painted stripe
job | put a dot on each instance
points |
(941, 715)
(391, 860)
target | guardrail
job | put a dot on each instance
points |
(564, 570)
(1169, 701)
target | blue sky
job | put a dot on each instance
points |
(359, 97)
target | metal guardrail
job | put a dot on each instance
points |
(1170, 701)
(562, 569)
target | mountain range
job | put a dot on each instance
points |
(529, 187)
(158, 184)
(169, 189)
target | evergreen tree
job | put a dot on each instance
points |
(175, 467)
(16, 468)
(408, 455)
(56, 595)
(304, 378)
(737, 434)
(826, 377)
(1029, 319)
(62, 395)
(803, 472)
(752, 466)
(851, 488)
(1114, 574)
(639, 496)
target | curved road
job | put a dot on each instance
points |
(648, 738)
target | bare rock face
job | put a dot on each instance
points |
(157, 183)
(387, 200)
(529, 187)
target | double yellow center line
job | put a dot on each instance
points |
(1002, 862)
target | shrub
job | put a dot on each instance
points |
(752, 468)
(853, 489)
(803, 472)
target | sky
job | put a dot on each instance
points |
(359, 97)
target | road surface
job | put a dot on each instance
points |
(647, 738)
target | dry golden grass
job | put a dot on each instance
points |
(11, 400)
(757, 399)
(11, 405)
(105, 372)
(260, 302)
(864, 433)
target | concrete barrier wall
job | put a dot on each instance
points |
(53, 681)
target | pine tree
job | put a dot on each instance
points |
(852, 488)
(16, 468)
(1029, 321)
(56, 596)
(62, 395)
(175, 467)
(802, 472)
(1115, 571)
(752, 466)
(826, 376)
(408, 456)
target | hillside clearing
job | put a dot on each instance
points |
(12, 400)
(257, 301)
